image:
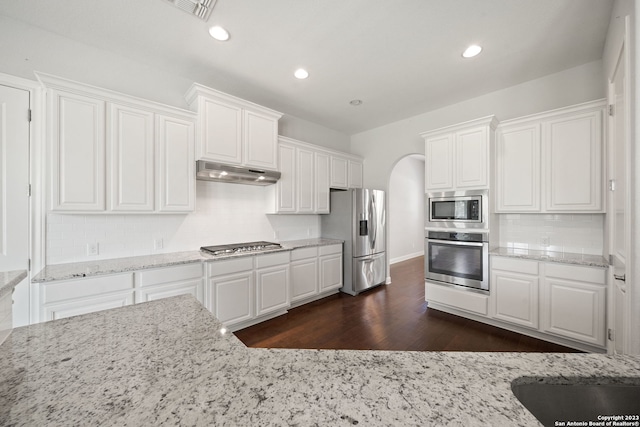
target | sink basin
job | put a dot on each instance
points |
(565, 399)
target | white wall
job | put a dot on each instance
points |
(225, 213)
(384, 146)
(406, 209)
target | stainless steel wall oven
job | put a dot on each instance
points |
(458, 258)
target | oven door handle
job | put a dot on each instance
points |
(454, 242)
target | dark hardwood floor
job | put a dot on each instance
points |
(394, 317)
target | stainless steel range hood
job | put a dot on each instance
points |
(211, 171)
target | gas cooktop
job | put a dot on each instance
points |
(235, 248)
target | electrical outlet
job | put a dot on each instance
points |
(92, 249)
(158, 244)
(545, 241)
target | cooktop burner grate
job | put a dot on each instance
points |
(240, 247)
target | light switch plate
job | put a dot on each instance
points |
(92, 249)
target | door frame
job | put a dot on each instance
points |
(37, 173)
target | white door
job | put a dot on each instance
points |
(14, 198)
(618, 217)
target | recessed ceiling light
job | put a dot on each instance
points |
(301, 74)
(355, 102)
(219, 33)
(472, 51)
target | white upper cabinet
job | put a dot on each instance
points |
(458, 157)
(76, 133)
(518, 168)
(307, 174)
(112, 153)
(234, 131)
(130, 141)
(176, 167)
(551, 162)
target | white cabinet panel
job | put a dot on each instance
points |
(305, 179)
(322, 178)
(190, 287)
(272, 289)
(285, 188)
(453, 297)
(176, 163)
(88, 305)
(339, 172)
(330, 272)
(515, 298)
(518, 169)
(573, 152)
(231, 297)
(472, 161)
(77, 134)
(130, 164)
(355, 174)
(304, 279)
(260, 138)
(438, 167)
(171, 281)
(575, 310)
(220, 135)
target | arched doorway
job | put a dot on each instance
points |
(406, 209)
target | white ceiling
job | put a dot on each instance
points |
(401, 57)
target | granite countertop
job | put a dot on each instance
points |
(9, 280)
(550, 256)
(121, 265)
(168, 362)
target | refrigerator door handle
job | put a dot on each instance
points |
(374, 222)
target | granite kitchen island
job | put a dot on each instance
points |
(170, 362)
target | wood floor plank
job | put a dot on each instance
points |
(392, 317)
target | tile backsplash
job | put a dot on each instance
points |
(576, 233)
(225, 213)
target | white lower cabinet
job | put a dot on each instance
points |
(272, 283)
(458, 298)
(229, 291)
(514, 291)
(575, 301)
(66, 298)
(304, 273)
(330, 263)
(168, 282)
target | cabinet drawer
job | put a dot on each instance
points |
(79, 288)
(578, 273)
(331, 249)
(304, 253)
(514, 264)
(170, 274)
(464, 300)
(269, 260)
(218, 268)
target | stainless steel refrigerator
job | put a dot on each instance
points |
(358, 217)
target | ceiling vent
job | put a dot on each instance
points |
(200, 8)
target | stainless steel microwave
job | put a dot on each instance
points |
(457, 209)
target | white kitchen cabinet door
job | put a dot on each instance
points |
(304, 279)
(77, 134)
(272, 289)
(220, 131)
(330, 265)
(518, 169)
(171, 281)
(573, 159)
(515, 298)
(339, 173)
(305, 180)
(232, 297)
(322, 178)
(439, 152)
(471, 157)
(130, 163)
(286, 185)
(574, 303)
(260, 137)
(355, 174)
(176, 164)
(88, 305)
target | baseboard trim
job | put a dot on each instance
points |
(406, 257)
